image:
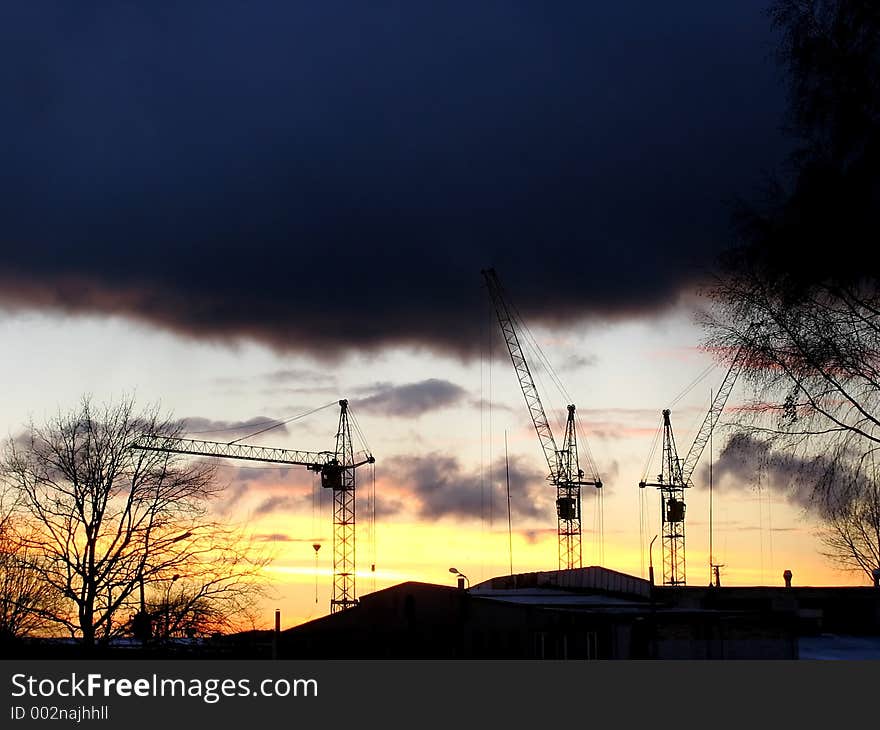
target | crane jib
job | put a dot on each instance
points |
(337, 470)
(562, 464)
(314, 460)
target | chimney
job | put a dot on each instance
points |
(277, 633)
(461, 583)
(787, 577)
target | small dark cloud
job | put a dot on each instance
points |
(310, 390)
(284, 537)
(274, 537)
(410, 399)
(443, 488)
(386, 506)
(533, 536)
(230, 497)
(609, 471)
(212, 430)
(576, 362)
(812, 482)
(288, 381)
(258, 482)
(304, 376)
(495, 406)
(282, 503)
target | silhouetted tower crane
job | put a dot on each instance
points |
(565, 472)
(675, 477)
(337, 470)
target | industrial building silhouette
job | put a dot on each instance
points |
(585, 613)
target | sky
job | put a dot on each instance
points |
(245, 211)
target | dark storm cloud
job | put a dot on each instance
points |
(443, 488)
(409, 399)
(328, 176)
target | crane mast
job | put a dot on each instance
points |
(672, 508)
(568, 498)
(337, 470)
(564, 470)
(675, 476)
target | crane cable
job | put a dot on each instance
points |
(654, 443)
(358, 432)
(694, 383)
(643, 527)
(371, 498)
(643, 500)
(531, 342)
(373, 522)
(591, 461)
(284, 422)
(540, 353)
(599, 527)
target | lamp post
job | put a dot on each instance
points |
(461, 578)
(651, 560)
(142, 622)
(167, 606)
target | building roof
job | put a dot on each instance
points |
(593, 581)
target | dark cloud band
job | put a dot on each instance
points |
(328, 177)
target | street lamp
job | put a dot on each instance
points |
(461, 578)
(142, 621)
(651, 560)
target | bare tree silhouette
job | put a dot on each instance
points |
(26, 603)
(799, 290)
(114, 525)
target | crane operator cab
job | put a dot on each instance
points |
(674, 510)
(566, 508)
(331, 475)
